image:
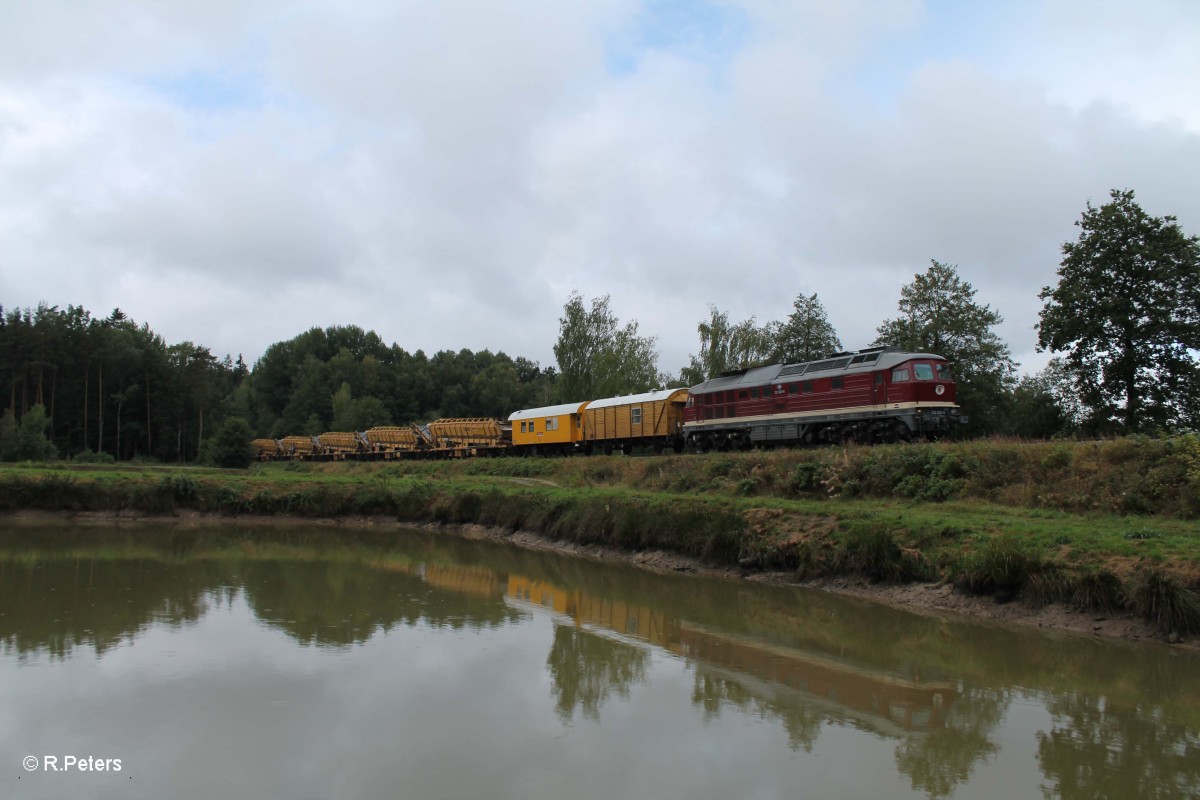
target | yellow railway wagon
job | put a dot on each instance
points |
(394, 438)
(467, 432)
(298, 446)
(340, 442)
(549, 429)
(265, 449)
(651, 418)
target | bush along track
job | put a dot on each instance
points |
(892, 515)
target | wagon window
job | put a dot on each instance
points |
(923, 372)
(899, 375)
(522, 427)
(551, 423)
(943, 371)
(635, 416)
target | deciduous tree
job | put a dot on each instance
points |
(939, 314)
(807, 334)
(598, 357)
(1126, 316)
(726, 346)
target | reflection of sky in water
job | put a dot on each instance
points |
(612, 684)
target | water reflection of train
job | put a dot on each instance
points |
(762, 667)
(880, 698)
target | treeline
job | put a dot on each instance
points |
(1123, 324)
(74, 384)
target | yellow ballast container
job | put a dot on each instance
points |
(393, 437)
(297, 445)
(340, 442)
(265, 449)
(466, 432)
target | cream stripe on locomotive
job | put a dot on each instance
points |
(825, 412)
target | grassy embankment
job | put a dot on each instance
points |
(1102, 525)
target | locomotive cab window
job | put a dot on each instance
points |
(923, 372)
(943, 371)
(899, 375)
(635, 416)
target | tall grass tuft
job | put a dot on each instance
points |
(871, 548)
(1003, 564)
(1163, 600)
(1098, 590)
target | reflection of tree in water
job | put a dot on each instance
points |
(339, 603)
(1097, 749)
(56, 605)
(941, 760)
(585, 667)
(801, 720)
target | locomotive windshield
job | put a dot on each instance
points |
(923, 372)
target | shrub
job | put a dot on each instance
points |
(230, 446)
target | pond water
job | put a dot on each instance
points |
(321, 662)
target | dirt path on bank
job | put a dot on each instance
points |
(932, 599)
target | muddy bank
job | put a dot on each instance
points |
(934, 599)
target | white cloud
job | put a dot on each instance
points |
(446, 174)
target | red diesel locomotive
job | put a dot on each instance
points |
(881, 394)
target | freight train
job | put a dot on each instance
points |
(881, 394)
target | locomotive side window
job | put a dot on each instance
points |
(808, 387)
(943, 371)
(793, 388)
(742, 394)
(899, 375)
(923, 372)
(837, 383)
(754, 393)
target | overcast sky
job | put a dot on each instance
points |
(446, 173)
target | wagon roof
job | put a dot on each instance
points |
(645, 397)
(548, 411)
(843, 364)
